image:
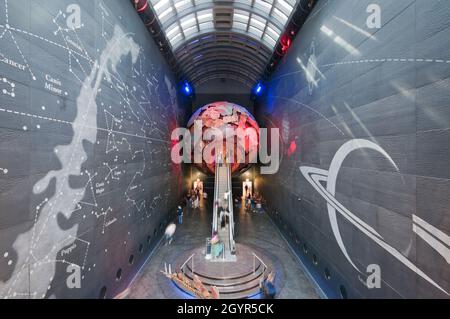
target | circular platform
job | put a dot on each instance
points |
(234, 280)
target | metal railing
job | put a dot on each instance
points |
(255, 257)
(216, 195)
(191, 258)
(230, 209)
(217, 200)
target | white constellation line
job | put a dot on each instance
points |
(73, 124)
(390, 60)
(49, 41)
(403, 60)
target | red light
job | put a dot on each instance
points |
(292, 148)
(285, 44)
(141, 5)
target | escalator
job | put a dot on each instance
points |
(223, 197)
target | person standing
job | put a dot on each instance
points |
(252, 204)
(268, 286)
(226, 215)
(196, 202)
(197, 191)
(192, 201)
(222, 217)
(247, 203)
(180, 215)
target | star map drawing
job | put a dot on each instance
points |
(115, 141)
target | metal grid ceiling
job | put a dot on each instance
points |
(223, 39)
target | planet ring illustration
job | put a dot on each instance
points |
(319, 177)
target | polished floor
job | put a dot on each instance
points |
(254, 230)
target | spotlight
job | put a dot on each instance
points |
(285, 44)
(187, 88)
(258, 89)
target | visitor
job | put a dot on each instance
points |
(193, 201)
(252, 203)
(223, 217)
(216, 245)
(196, 202)
(268, 286)
(259, 208)
(226, 215)
(236, 202)
(180, 215)
(248, 203)
(170, 231)
(197, 191)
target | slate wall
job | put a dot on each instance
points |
(387, 90)
(86, 182)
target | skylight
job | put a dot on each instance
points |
(261, 20)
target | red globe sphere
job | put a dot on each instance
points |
(228, 117)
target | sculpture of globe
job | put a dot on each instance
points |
(228, 117)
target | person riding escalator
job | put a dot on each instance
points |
(216, 246)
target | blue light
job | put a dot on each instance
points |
(187, 89)
(259, 88)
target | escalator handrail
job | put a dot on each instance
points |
(216, 190)
(230, 207)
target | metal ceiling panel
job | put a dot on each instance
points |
(223, 38)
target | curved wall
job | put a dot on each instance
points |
(364, 184)
(86, 184)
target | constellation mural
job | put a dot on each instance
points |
(98, 121)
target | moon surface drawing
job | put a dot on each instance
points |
(324, 182)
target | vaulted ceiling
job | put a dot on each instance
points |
(232, 39)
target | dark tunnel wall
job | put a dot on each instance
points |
(217, 90)
(364, 118)
(86, 184)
